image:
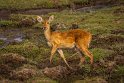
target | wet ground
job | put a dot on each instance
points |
(4, 14)
(18, 35)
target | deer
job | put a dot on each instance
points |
(73, 38)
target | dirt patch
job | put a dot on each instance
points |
(45, 63)
(106, 2)
(118, 31)
(12, 60)
(9, 62)
(106, 42)
(37, 11)
(114, 39)
(26, 22)
(119, 59)
(15, 67)
(4, 14)
(5, 70)
(119, 11)
(57, 72)
(73, 62)
(22, 74)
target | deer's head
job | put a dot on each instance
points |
(45, 22)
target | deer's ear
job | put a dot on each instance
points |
(39, 19)
(51, 18)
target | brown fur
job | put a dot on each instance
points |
(72, 36)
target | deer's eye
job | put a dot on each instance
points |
(48, 23)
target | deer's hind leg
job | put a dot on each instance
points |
(88, 53)
(81, 55)
(83, 46)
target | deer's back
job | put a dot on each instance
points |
(71, 33)
(70, 37)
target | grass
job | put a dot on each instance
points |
(8, 23)
(1, 42)
(100, 22)
(22, 4)
(27, 49)
(101, 53)
(19, 17)
(89, 80)
(119, 71)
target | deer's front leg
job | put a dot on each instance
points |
(54, 48)
(49, 44)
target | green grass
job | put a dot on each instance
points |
(1, 42)
(100, 22)
(119, 71)
(91, 80)
(28, 50)
(8, 23)
(22, 4)
(101, 53)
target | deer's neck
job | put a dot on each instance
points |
(47, 33)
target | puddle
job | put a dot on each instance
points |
(8, 41)
(18, 35)
(18, 39)
(4, 39)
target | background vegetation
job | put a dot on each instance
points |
(22, 4)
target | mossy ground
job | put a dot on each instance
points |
(106, 26)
